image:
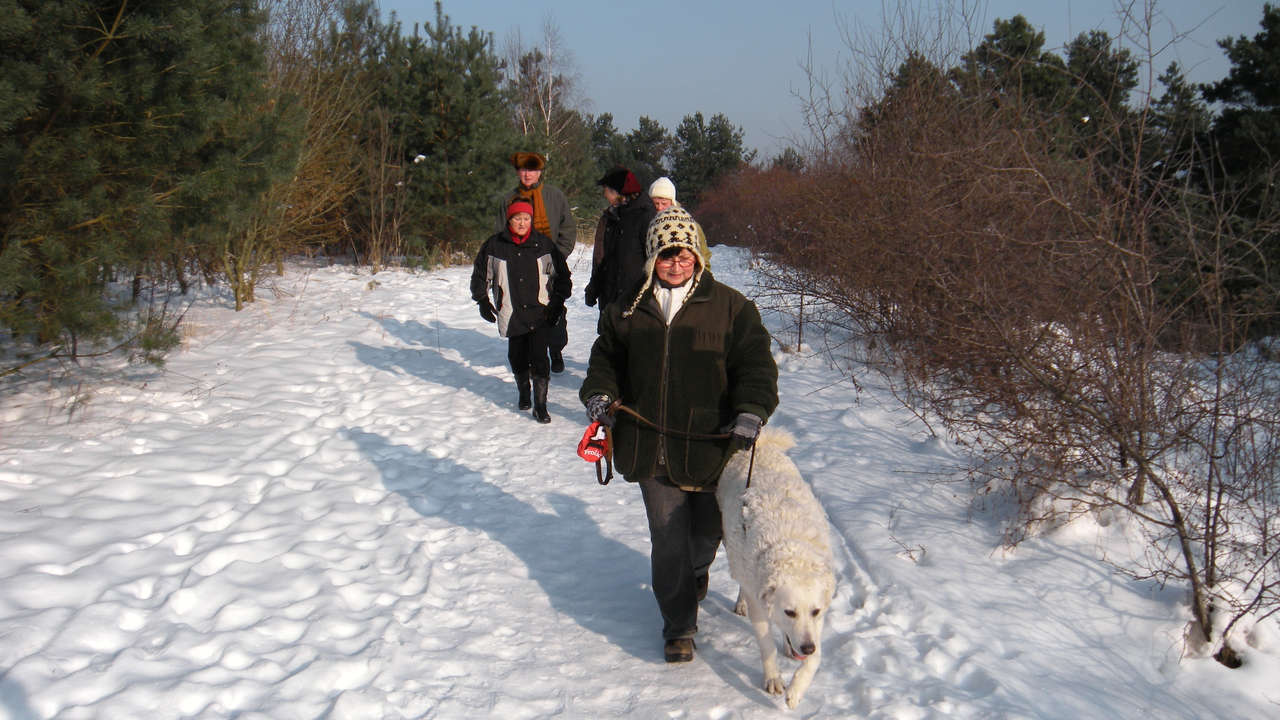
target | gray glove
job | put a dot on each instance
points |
(744, 430)
(598, 409)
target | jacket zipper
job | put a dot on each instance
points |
(666, 366)
(662, 386)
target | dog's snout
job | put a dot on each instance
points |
(807, 648)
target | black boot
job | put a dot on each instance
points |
(522, 384)
(540, 399)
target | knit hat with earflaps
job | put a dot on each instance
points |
(671, 228)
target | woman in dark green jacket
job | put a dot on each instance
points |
(692, 356)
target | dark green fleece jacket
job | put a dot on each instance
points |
(695, 376)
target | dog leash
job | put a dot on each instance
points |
(607, 459)
(616, 405)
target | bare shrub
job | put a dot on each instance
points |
(1016, 283)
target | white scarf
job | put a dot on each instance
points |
(670, 299)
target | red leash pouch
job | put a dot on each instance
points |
(594, 445)
(594, 448)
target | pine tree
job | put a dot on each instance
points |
(608, 146)
(647, 146)
(1246, 135)
(1181, 121)
(703, 152)
(1011, 61)
(1102, 77)
(1247, 130)
(454, 121)
(130, 132)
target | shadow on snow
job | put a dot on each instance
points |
(587, 576)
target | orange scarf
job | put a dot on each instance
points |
(534, 195)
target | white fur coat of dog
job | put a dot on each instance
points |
(779, 550)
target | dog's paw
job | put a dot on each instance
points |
(740, 607)
(793, 699)
(773, 685)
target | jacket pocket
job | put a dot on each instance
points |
(626, 448)
(704, 459)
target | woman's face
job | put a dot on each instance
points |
(519, 223)
(611, 195)
(661, 204)
(675, 269)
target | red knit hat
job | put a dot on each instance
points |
(519, 205)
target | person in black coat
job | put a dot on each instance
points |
(551, 217)
(618, 259)
(520, 281)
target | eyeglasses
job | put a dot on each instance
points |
(685, 261)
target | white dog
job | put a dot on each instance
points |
(776, 539)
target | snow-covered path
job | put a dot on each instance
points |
(327, 506)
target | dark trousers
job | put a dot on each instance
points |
(528, 352)
(684, 531)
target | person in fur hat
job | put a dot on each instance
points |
(691, 356)
(551, 217)
(520, 282)
(617, 259)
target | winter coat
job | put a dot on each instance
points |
(520, 280)
(695, 376)
(564, 230)
(621, 258)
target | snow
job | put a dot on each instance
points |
(327, 506)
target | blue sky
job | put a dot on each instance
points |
(670, 58)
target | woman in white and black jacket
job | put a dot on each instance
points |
(520, 281)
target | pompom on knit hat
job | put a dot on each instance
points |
(670, 229)
(621, 180)
(528, 161)
(663, 188)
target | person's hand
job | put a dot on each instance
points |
(486, 310)
(590, 297)
(555, 311)
(598, 409)
(744, 430)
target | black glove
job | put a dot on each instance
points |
(598, 410)
(486, 310)
(590, 296)
(744, 430)
(555, 311)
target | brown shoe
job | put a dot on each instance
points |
(678, 650)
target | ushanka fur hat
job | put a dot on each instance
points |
(672, 228)
(528, 161)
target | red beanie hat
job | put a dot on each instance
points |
(519, 205)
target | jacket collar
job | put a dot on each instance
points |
(700, 294)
